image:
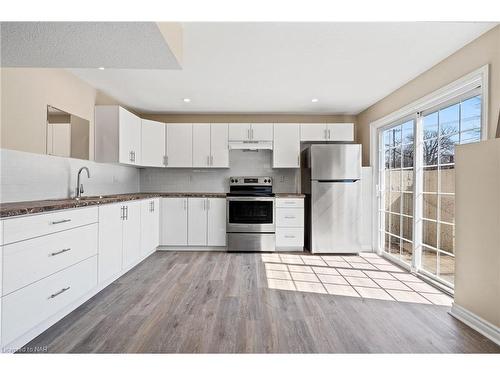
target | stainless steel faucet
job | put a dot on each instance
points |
(79, 186)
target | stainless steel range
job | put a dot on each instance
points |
(250, 214)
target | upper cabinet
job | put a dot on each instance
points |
(179, 145)
(117, 135)
(335, 132)
(250, 132)
(286, 148)
(210, 146)
(153, 144)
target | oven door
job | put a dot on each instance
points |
(250, 214)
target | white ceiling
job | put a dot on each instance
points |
(280, 67)
(85, 45)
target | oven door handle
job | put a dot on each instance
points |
(250, 199)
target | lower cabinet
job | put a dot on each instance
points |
(290, 224)
(131, 233)
(150, 225)
(24, 309)
(193, 222)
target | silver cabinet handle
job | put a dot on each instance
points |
(126, 212)
(289, 217)
(61, 221)
(248, 133)
(185, 204)
(288, 236)
(208, 203)
(130, 156)
(251, 132)
(59, 252)
(325, 134)
(208, 159)
(166, 160)
(329, 134)
(211, 160)
(204, 204)
(60, 292)
(122, 212)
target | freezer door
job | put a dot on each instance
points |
(335, 217)
(335, 162)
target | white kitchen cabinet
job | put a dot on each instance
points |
(179, 145)
(313, 132)
(197, 221)
(150, 225)
(131, 233)
(239, 132)
(341, 132)
(201, 145)
(250, 132)
(216, 222)
(219, 151)
(110, 241)
(117, 135)
(210, 146)
(261, 132)
(290, 224)
(153, 143)
(173, 223)
(286, 148)
(333, 132)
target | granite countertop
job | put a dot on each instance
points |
(34, 207)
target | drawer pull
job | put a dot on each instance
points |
(60, 252)
(61, 221)
(288, 236)
(289, 217)
(60, 292)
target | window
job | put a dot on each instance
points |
(417, 183)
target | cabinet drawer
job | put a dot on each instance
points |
(290, 237)
(22, 228)
(29, 306)
(290, 217)
(289, 202)
(31, 260)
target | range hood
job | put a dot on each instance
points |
(250, 145)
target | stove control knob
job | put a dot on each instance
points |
(232, 180)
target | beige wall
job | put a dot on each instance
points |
(179, 118)
(26, 92)
(482, 51)
(477, 280)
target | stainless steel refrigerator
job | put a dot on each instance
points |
(331, 181)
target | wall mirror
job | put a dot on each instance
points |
(67, 134)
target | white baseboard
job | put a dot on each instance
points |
(476, 323)
(192, 248)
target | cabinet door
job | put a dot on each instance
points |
(173, 223)
(262, 132)
(129, 137)
(179, 145)
(313, 132)
(153, 143)
(218, 146)
(110, 241)
(201, 145)
(150, 225)
(286, 149)
(239, 132)
(197, 221)
(216, 225)
(341, 132)
(132, 233)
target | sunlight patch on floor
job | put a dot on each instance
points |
(365, 276)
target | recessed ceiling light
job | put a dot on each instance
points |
(101, 68)
(314, 100)
(186, 100)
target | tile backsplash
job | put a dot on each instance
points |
(242, 163)
(25, 176)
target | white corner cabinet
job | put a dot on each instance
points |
(153, 145)
(193, 222)
(50, 263)
(289, 224)
(332, 132)
(117, 135)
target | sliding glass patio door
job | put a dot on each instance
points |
(417, 185)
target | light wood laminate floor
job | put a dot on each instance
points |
(212, 302)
